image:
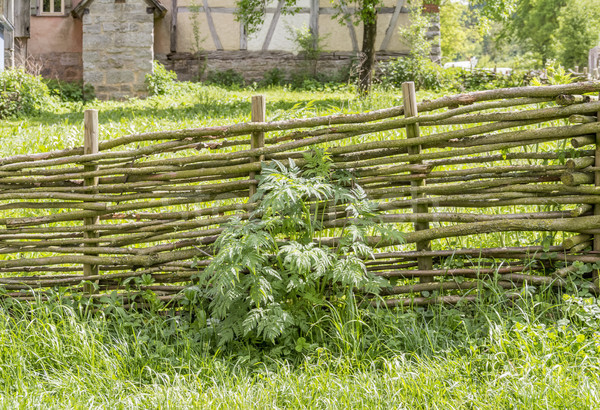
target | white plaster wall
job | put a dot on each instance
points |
(335, 36)
(281, 39)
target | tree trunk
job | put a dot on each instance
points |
(368, 47)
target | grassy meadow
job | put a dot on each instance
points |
(541, 350)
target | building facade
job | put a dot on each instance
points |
(110, 44)
(6, 33)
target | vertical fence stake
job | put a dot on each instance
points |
(409, 97)
(596, 246)
(259, 110)
(90, 146)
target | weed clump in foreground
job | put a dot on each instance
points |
(484, 355)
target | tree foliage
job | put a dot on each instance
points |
(461, 31)
(578, 31)
(497, 10)
(544, 30)
(534, 25)
(251, 13)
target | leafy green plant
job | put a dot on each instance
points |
(197, 45)
(426, 74)
(271, 271)
(555, 74)
(273, 77)
(302, 80)
(227, 78)
(308, 44)
(70, 91)
(161, 81)
(21, 93)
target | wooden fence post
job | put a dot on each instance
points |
(258, 138)
(409, 97)
(596, 246)
(90, 146)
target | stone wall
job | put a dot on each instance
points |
(60, 66)
(253, 65)
(118, 41)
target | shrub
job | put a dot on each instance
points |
(227, 78)
(274, 76)
(554, 74)
(425, 73)
(21, 93)
(476, 79)
(70, 91)
(430, 76)
(161, 81)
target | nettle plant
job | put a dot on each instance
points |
(272, 273)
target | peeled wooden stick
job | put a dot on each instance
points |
(436, 300)
(509, 156)
(578, 163)
(566, 271)
(481, 252)
(546, 114)
(98, 260)
(581, 224)
(434, 286)
(474, 272)
(495, 142)
(583, 141)
(581, 247)
(569, 99)
(582, 119)
(575, 240)
(577, 178)
(581, 210)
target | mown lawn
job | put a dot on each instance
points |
(540, 351)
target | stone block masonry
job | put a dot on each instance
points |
(253, 65)
(118, 48)
(61, 66)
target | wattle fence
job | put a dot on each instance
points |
(139, 213)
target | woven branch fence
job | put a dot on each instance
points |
(92, 219)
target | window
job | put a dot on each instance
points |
(55, 7)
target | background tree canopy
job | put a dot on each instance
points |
(505, 30)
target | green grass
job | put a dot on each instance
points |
(533, 355)
(541, 351)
